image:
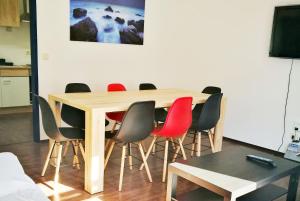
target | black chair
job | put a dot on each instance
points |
(207, 121)
(75, 117)
(160, 113)
(198, 107)
(197, 110)
(136, 126)
(147, 86)
(211, 90)
(59, 135)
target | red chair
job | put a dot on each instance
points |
(116, 116)
(116, 87)
(176, 126)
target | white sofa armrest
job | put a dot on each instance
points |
(15, 185)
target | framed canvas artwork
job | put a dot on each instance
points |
(107, 21)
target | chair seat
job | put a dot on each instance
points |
(160, 115)
(159, 131)
(116, 116)
(72, 133)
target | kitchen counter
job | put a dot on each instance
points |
(15, 71)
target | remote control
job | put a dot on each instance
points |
(262, 160)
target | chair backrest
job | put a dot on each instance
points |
(198, 107)
(210, 113)
(77, 87)
(73, 116)
(48, 119)
(116, 87)
(179, 117)
(117, 116)
(138, 122)
(147, 86)
(211, 90)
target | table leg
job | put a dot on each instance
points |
(293, 186)
(171, 186)
(219, 130)
(55, 106)
(94, 151)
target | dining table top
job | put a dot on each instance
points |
(120, 100)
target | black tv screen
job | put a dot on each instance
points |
(285, 41)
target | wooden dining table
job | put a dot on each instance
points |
(97, 104)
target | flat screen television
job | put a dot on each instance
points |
(285, 40)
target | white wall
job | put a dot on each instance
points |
(15, 43)
(188, 44)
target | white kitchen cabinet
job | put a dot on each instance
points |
(14, 91)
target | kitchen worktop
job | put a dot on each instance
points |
(15, 67)
(15, 71)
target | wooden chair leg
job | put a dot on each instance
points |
(74, 154)
(66, 148)
(211, 142)
(212, 131)
(107, 144)
(199, 144)
(109, 153)
(122, 167)
(173, 144)
(153, 149)
(178, 149)
(181, 147)
(129, 156)
(143, 146)
(56, 177)
(176, 153)
(82, 150)
(149, 150)
(145, 162)
(75, 157)
(193, 144)
(114, 127)
(165, 161)
(48, 158)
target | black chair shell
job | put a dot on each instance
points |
(160, 114)
(210, 113)
(48, 119)
(74, 116)
(51, 128)
(137, 123)
(147, 86)
(211, 90)
(198, 107)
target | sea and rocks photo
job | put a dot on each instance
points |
(107, 21)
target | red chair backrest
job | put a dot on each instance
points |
(179, 118)
(117, 116)
(116, 87)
